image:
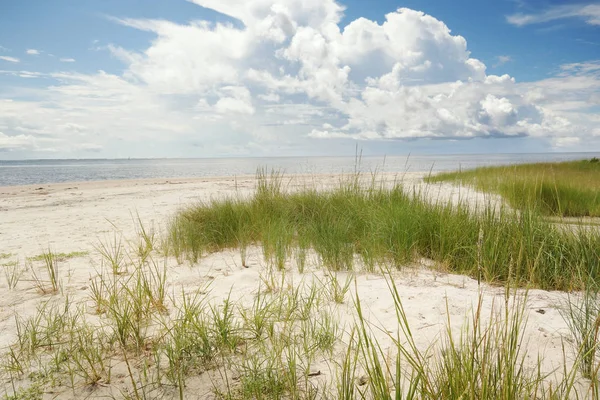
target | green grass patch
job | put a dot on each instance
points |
(5, 255)
(569, 189)
(387, 226)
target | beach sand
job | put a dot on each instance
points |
(75, 217)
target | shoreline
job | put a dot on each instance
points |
(68, 216)
(219, 168)
(119, 183)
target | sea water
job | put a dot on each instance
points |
(25, 172)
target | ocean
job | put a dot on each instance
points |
(26, 172)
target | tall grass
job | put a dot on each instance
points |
(570, 189)
(52, 284)
(388, 226)
(13, 273)
(582, 314)
(486, 360)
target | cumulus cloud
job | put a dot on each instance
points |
(188, 58)
(408, 77)
(235, 100)
(286, 72)
(589, 13)
(32, 52)
(10, 59)
(67, 60)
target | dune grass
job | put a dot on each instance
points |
(386, 225)
(485, 360)
(158, 342)
(150, 346)
(569, 189)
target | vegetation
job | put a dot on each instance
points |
(58, 256)
(269, 348)
(582, 314)
(270, 345)
(569, 189)
(485, 361)
(381, 225)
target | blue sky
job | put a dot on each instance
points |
(201, 78)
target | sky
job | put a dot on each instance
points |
(255, 78)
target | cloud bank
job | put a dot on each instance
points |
(287, 73)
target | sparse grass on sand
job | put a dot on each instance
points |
(136, 337)
(569, 189)
(58, 256)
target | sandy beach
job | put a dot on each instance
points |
(72, 216)
(75, 217)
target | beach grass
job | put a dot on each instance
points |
(568, 189)
(388, 225)
(485, 360)
(51, 282)
(270, 349)
(13, 274)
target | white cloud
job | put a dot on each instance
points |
(28, 75)
(10, 59)
(22, 74)
(67, 60)
(188, 58)
(581, 69)
(566, 142)
(501, 60)
(89, 147)
(270, 97)
(18, 142)
(590, 13)
(33, 52)
(274, 19)
(326, 133)
(497, 111)
(289, 75)
(236, 100)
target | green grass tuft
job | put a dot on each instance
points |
(569, 189)
(389, 227)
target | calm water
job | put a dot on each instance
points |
(52, 171)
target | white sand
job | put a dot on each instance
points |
(74, 217)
